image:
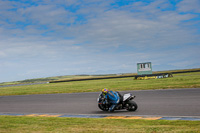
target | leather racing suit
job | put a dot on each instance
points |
(113, 98)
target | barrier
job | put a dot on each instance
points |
(153, 76)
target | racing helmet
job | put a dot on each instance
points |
(105, 90)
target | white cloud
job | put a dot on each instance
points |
(46, 14)
(189, 6)
(61, 37)
(115, 28)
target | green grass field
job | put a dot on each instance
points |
(184, 80)
(10, 124)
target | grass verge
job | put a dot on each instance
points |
(84, 125)
(184, 80)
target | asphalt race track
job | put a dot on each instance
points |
(178, 102)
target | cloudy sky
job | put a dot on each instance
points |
(42, 38)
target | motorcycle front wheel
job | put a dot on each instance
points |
(103, 107)
(132, 106)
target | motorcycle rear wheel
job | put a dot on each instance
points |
(132, 106)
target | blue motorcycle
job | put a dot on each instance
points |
(120, 102)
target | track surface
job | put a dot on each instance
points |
(179, 102)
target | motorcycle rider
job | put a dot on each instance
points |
(111, 97)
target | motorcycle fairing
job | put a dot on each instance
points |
(113, 97)
(126, 96)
